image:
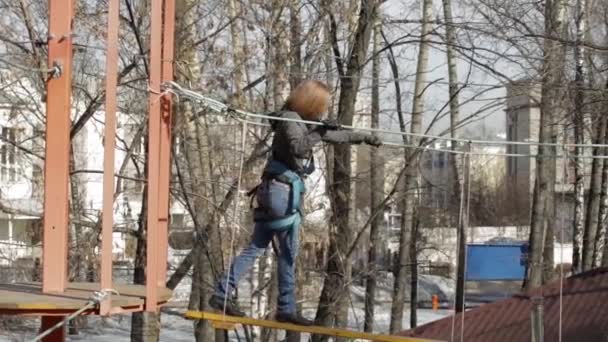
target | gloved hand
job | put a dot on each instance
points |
(372, 140)
(331, 124)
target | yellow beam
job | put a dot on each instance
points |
(213, 317)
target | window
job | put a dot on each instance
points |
(8, 154)
(38, 141)
(178, 221)
(37, 181)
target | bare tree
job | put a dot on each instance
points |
(407, 240)
(460, 196)
(337, 279)
(578, 123)
(377, 187)
(545, 165)
(593, 205)
(603, 204)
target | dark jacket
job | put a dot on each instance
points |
(294, 141)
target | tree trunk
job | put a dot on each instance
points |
(279, 53)
(337, 279)
(295, 66)
(545, 167)
(549, 248)
(457, 168)
(410, 183)
(603, 209)
(272, 293)
(295, 76)
(578, 123)
(238, 58)
(376, 193)
(593, 205)
(207, 264)
(145, 326)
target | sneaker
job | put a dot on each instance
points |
(293, 318)
(232, 308)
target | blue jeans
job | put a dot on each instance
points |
(274, 197)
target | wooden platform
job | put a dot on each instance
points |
(28, 299)
(227, 321)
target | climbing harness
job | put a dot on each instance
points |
(279, 172)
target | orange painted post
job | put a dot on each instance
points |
(57, 335)
(153, 156)
(57, 151)
(165, 141)
(109, 146)
(435, 302)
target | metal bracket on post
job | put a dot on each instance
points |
(56, 71)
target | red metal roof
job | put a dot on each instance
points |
(584, 315)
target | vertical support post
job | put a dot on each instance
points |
(154, 156)
(57, 335)
(165, 141)
(109, 146)
(57, 150)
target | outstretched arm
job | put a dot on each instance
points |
(300, 140)
(350, 137)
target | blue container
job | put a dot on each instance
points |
(496, 262)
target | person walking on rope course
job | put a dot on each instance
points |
(280, 193)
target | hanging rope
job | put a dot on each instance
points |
(236, 216)
(55, 71)
(94, 301)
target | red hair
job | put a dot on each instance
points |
(310, 99)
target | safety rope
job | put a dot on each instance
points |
(236, 215)
(94, 301)
(55, 71)
(223, 108)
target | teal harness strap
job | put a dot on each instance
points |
(285, 223)
(280, 171)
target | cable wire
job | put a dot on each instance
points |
(223, 108)
(94, 301)
(55, 70)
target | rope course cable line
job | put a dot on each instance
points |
(54, 71)
(94, 301)
(241, 115)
